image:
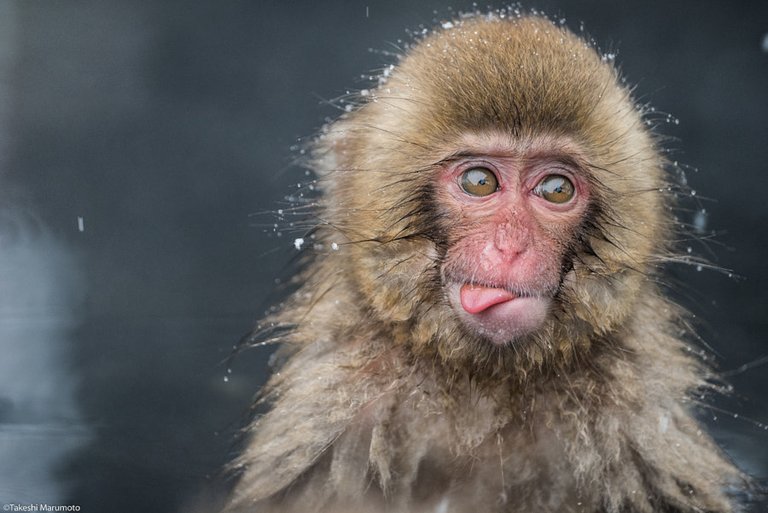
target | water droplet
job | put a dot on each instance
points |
(226, 379)
(334, 246)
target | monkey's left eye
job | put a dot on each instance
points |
(555, 189)
(479, 181)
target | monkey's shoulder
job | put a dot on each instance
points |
(349, 428)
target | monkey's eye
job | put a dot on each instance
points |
(479, 181)
(555, 189)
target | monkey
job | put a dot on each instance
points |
(484, 326)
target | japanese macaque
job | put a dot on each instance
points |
(483, 329)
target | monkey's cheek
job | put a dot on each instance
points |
(505, 322)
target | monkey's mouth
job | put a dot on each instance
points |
(478, 298)
(499, 314)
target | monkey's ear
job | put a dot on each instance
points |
(332, 147)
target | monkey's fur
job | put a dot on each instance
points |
(387, 403)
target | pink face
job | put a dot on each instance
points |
(514, 214)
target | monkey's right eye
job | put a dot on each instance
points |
(479, 181)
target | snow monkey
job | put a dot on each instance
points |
(482, 328)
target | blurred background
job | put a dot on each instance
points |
(141, 144)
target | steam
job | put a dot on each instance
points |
(39, 423)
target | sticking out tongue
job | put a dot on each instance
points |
(476, 298)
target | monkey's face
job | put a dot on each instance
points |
(494, 200)
(516, 209)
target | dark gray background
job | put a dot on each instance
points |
(166, 125)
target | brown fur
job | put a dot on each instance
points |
(386, 403)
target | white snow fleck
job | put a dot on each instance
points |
(447, 25)
(298, 243)
(80, 224)
(334, 246)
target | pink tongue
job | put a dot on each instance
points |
(476, 298)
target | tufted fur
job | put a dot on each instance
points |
(386, 403)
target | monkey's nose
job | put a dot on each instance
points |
(511, 240)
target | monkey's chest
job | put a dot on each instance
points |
(419, 456)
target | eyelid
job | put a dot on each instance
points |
(559, 169)
(468, 164)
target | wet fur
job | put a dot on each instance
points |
(387, 403)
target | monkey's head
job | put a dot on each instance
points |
(498, 196)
